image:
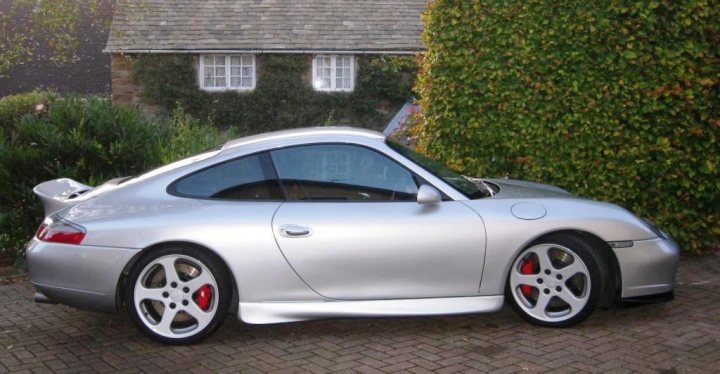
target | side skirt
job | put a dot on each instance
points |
(277, 312)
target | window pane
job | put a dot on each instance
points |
(342, 173)
(235, 82)
(235, 71)
(246, 82)
(243, 178)
(323, 64)
(247, 72)
(220, 82)
(247, 60)
(235, 60)
(323, 73)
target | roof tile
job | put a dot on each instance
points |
(336, 25)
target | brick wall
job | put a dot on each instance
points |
(124, 90)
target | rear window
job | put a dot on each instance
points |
(241, 179)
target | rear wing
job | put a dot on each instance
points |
(59, 193)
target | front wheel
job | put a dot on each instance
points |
(178, 295)
(556, 281)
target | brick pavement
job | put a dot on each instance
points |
(679, 337)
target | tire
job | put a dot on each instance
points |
(556, 281)
(180, 309)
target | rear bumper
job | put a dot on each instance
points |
(648, 267)
(85, 277)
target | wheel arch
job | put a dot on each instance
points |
(120, 289)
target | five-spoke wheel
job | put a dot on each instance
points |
(178, 295)
(556, 282)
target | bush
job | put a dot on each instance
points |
(613, 100)
(189, 136)
(13, 108)
(86, 139)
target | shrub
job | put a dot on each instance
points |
(14, 107)
(189, 136)
(89, 140)
(613, 100)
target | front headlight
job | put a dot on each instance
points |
(651, 225)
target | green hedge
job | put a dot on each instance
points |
(15, 106)
(83, 138)
(613, 100)
(282, 98)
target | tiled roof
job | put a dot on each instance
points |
(87, 71)
(267, 25)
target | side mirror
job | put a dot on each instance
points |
(427, 195)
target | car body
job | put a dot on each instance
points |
(337, 222)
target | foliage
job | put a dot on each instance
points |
(189, 136)
(86, 139)
(615, 100)
(283, 97)
(25, 23)
(13, 108)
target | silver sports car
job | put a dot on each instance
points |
(335, 222)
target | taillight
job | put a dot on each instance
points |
(58, 231)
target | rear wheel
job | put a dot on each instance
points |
(556, 281)
(178, 295)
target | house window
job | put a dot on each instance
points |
(334, 73)
(227, 72)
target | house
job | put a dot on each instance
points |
(228, 40)
(86, 71)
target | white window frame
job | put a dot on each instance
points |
(228, 73)
(333, 74)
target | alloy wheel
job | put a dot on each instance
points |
(176, 296)
(550, 283)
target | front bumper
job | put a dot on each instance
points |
(81, 276)
(648, 267)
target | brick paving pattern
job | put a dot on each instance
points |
(679, 337)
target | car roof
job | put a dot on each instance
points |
(331, 131)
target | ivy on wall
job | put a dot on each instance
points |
(283, 97)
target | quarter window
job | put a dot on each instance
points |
(227, 72)
(334, 73)
(329, 172)
(241, 179)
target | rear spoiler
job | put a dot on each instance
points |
(59, 194)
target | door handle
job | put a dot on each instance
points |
(295, 231)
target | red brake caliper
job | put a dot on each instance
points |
(526, 268)
(204, 295)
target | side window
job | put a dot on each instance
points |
(330, 172)
(241, 179)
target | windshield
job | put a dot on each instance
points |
(457, 181)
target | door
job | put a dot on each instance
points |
(352, 229)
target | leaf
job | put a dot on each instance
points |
(629, 55)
